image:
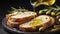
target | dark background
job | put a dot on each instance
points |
(5, 5)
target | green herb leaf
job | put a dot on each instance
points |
(57, 6)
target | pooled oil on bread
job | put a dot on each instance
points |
(34, 24)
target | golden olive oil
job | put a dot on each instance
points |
(36, 22)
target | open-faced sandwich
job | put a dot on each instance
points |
(36, 23)
(17, 18)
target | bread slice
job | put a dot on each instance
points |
(18, 18)
(47, 21)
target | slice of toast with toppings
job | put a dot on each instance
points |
(34, 24)
(18, 18)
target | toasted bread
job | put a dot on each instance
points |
(47, 21)
(16, 19)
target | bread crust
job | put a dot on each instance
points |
(48, 24)
(14, 22)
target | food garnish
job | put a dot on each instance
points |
(59, 19)
(48, 11)
(55, 28)
(40, 12)
(42, 29)
(58, 13)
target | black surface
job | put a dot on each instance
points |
(5, 5)
(15, 31)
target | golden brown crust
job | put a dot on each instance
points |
(17, 21)
(48, 24)
(27, 28)
(12, 24)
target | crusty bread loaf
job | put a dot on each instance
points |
(47, 22)
(16, 19)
